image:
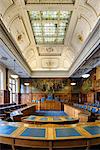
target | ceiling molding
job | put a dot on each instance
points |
(89, 5)
(52, 7)
(90, 44)
(49, 50)
(8, 5)
(12, 48)
(50, 63)
(51, 74)
(49, 1)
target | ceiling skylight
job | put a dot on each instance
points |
(49, 26)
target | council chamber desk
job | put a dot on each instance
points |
(50, 136)
(33, 119)
(80, 114)
(28, 110)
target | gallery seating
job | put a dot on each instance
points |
(90, 107)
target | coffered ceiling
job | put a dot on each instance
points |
(53, 36)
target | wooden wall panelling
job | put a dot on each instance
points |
(37, 96)
(26, 98)
(98, 73)
(83, 98)
(75, 97)
(97, 85)
(50, 105)
(19, 98)
(6, 96)
(64, 96)
(90, 97)
(1, 96)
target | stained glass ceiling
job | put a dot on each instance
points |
(49, 27)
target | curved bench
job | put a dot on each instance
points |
(67, 136)
(50, 119)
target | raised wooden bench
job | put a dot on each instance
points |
(76, 112)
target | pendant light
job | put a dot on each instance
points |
(73, 83)
(26, 83)
(14, 76)
(85, 75)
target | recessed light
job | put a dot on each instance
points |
(73, 83)
(85, 75)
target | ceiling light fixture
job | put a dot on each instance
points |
(15, 76)
(85, 75)
(26, 84)
(73, 83)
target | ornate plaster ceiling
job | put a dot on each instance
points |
(50, 1)
(63, 26)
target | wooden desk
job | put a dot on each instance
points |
(11, 108)
(76, 112)
(44, 119)
(28, 110)
(65, 136)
